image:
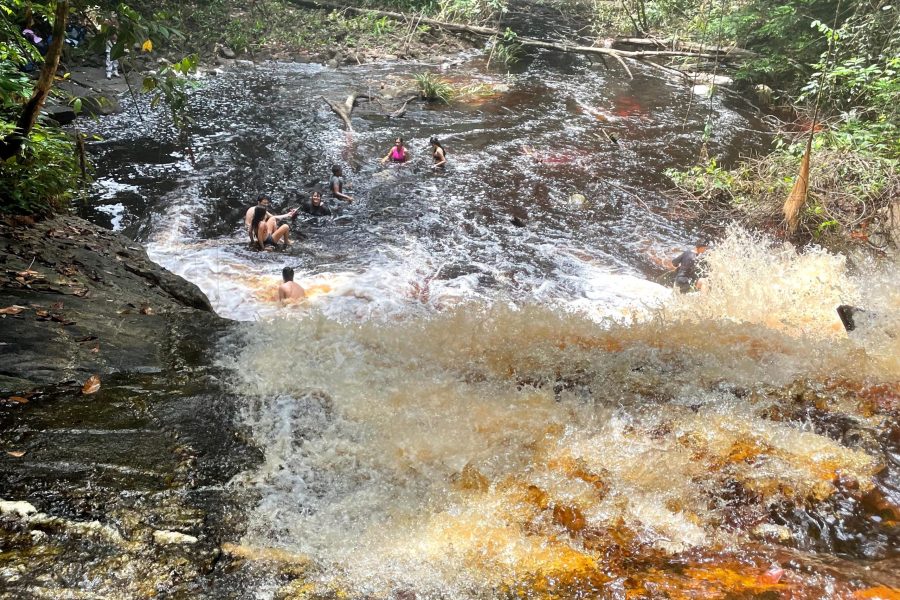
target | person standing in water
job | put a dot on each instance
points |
(398, 153)
(336, 184)
(289, 291)
(686, 267)
(438, 153)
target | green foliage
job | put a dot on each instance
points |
(470, 10)
(170, 86)
(506, 50)
(433, 88)
(44, 177)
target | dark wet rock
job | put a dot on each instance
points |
(100, 104)
(63, 115)
(120, 493)
(226, 52)
(93, 304)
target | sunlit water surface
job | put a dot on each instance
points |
(468, 409)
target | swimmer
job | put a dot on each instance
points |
(438, 153)
(263, 201)
(264, 230)
(315, 206)
(289, 292)
(686, 267)
(336, 184)
(398, 153)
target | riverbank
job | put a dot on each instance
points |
(116, 431)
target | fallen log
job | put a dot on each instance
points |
(344, 110)
(683, 45)
(400, 112)
(478, 30)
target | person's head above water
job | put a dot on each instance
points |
(287, 274)
(398, 141)
(336, 170)
(315, 197)
(262, 200)
(437, 143)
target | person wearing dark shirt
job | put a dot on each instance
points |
(315, 207)
(686, 267)
(336, 184)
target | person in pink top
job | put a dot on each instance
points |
(398, 153)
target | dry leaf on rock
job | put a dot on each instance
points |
(16, 453)
(12, 310)
(91, 386)
(17, 399)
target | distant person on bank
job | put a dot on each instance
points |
(336, 184)
(686, 267)
(112, 65)
(289, 292)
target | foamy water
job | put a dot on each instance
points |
(489, 448)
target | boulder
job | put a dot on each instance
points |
(226, 52)
(61, 114)
(100, 104)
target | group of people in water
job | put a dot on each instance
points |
(266, 232)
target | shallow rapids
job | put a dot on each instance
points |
(464, 408)
(522, 451)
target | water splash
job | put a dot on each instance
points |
(494, 450)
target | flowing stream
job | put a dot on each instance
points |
(466, 408)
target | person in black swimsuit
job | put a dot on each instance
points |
(315, 207)
(438, 154)
(686, 267)
(336, 184)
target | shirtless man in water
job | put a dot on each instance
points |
(289, 292)
(263, 201)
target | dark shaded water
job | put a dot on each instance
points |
(524, 148)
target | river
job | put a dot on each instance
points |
(467, 408)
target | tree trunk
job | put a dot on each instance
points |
(527, 42)
(12, 144)
(344, 110)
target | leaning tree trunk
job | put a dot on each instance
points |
(12, 144)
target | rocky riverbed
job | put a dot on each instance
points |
(114, 490)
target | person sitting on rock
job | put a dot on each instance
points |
(289, 292)
(265, 232)
(398, 153)
(336, 184)
(315, 207)
(686, 265)
(438, 153)
(263, 201)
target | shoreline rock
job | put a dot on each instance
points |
(92, 303)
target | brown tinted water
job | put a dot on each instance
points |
(469, 409)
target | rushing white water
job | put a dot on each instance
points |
(466, 408)
(484, 448)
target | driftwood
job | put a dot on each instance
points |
(344, 110)
(619, 55)
(398, 114)
(13, 142)
(683, 45)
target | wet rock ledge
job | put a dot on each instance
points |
(116, 491)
